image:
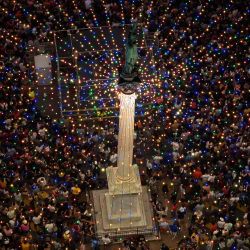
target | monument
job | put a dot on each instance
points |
(125, 207)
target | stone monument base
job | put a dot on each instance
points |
(135, 219)
(124, 210)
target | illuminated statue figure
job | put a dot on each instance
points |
(129, 76)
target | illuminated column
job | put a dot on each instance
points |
(125, 178)
(126, 137)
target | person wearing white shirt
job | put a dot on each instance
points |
(11, 214)
(205, 177)
(106, 240)
(37, 219)
(18, 197)
(163, 224)
(113, 158)
(228, 226)
(221, 223)
(50, 227)
(211, 178)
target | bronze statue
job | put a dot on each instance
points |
(129, 77)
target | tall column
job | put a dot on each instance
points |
(126, 137)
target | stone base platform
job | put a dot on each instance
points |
(123, 210)
(107, 221)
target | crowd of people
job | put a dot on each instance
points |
(194, 145)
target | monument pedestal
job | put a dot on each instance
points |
(124, 200)
(124, 208)
(124, 219)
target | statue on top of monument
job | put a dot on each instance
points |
(129, 77)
